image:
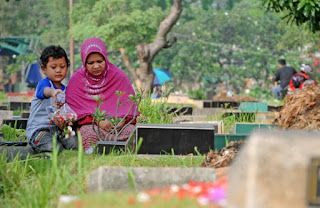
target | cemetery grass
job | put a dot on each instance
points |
(38, 182)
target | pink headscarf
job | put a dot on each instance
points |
(83, 85)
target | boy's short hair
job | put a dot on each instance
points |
(54, 52)
(282, 61)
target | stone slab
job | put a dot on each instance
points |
(179, 119)
(116, 178)
(213, 112)
(219, 125)
(6, 114)
(272, 170)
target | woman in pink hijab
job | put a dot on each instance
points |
(99, 77)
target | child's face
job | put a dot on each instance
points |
(56, 70)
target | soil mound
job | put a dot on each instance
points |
(301, 110)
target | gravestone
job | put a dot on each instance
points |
(221, 140)
(106, 147)
(119, 178)
(16, 151)
(19, 105)
(220, 104)
(179, 119)
(213, 112)
(275, 108)
(182, 138)
(273, 170)
(3, 107)
(207, 103)
(253, 107)
(247, 128)
(218, 125)
(25, 114)
(21, 123)
(185, 110)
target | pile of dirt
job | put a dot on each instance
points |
(222, 96)
(301, 110)
(223, 157)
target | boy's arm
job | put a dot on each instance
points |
(50, 92)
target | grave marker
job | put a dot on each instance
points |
(117, 178)
(181, 138)
(272, 170)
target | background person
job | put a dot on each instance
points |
(283, 74)
(299, 80)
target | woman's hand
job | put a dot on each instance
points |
(106, 125)
(120, 125)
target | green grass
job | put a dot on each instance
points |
(12, 133)
(230, 120)
(153, 112)
(3, 97)
(17, 112)
(38, 182)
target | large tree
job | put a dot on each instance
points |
(139, 27)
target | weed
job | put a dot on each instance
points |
(12, 133)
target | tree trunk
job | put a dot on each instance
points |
(147, 52)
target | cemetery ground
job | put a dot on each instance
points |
(50, 180)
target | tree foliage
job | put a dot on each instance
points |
(298, 11)
(120, 23)
(226, 45)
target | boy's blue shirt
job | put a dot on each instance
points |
(43, 84)
(39, 117)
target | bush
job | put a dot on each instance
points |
(197, 94)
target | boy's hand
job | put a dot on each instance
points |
(55, 93)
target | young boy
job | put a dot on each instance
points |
(40, 130)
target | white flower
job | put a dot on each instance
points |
(143, 197)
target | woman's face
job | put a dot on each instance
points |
(95, 64)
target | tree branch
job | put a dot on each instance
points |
(170, 42)
(164, 28)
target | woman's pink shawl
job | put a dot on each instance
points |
(83, 85)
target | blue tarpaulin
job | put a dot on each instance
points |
(161, 76)
(33, 75)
